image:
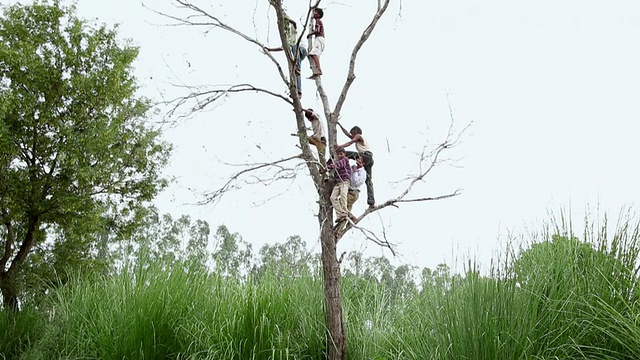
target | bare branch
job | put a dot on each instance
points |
(351, 76)
(216, 195)
(203, 98)
(264, 201)
(369, 235)
(432, 159)
(215, 22)
(441, 197)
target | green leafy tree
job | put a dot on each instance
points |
(232, 255)
(398, 282)
(76, 155)
(380, 269)
(439, 278)
(167, 240)
(362, 273)
(290, 258)
(404, 285)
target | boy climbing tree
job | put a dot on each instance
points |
(316, 30)
(358, 176)
(363, 151)
(291, 33)
(317, 138)
(342, 171)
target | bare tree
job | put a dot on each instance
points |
(198, 98)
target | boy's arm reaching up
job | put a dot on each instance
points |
(353, 140)
(348, 134)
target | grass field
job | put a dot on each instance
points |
(559, 298)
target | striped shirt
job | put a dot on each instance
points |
(342, 168)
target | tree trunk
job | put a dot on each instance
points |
(336, 340)
(9, 295)
(8, 285)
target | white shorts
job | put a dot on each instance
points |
(318, 46)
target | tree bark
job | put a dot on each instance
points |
(7, 276)
(336, 339)
(9, 293)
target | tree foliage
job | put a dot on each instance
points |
(77, 157)
(165, 239)
(288, 259)
(232, 255)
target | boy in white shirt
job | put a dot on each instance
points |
(358, 177)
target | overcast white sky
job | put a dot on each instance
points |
(551, 87)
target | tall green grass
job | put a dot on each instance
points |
(558, 297)
(184, 312)
(19, 332)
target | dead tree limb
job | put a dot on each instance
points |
(351, 76)
(203, 98)
(333, 116)
(214, 196)
(215, 22)
(369, 235)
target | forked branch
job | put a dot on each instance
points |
(351, 76)
(282, 173)
(371, 236)
(203, 98)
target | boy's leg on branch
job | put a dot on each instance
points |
(371, 201)
(314, 56)
(298, 61)
(322, 148)
(297, 56)
(344, 191)
(316, 60)
(352, 197)
(303, 55)
(339, 199)
(320, 144)
(368, 168)
(341, 206)
(335, 199)
(314, 67)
